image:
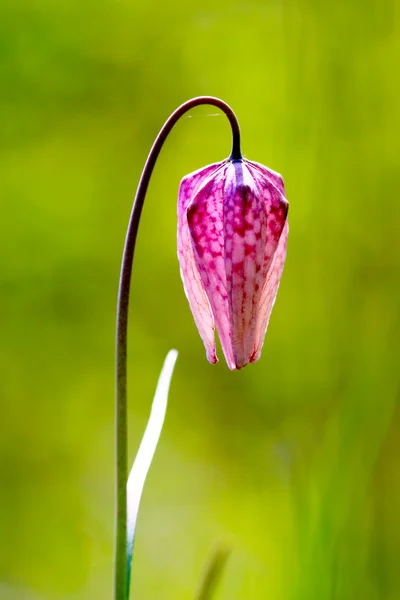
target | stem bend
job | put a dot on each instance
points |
(120, 583)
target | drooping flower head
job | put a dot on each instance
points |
(232, 233)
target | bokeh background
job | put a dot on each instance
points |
(294, 460)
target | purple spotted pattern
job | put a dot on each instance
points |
(232, 233)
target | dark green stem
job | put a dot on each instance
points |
(120, 581)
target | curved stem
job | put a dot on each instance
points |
(120, 583)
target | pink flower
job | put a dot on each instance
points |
(232, 233)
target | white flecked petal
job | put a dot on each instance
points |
(205, 219)
(269, 292)
(192, 284)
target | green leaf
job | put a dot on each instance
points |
(213, 573)
(145, 454)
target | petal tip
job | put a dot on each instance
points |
(255, 356)
(212, 357)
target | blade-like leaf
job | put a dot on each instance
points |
(213, 573)
(146, 452)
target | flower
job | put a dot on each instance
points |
(232, 234)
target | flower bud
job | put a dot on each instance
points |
(232, 234)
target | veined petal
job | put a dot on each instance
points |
(276, 207)
(269, 174)
(192, 283)
(205, 220)
(269, 293)
(245, 229)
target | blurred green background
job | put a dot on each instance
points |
(294, 460)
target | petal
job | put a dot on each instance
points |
(205, 220)
(192, 284)
(245, 227)
(269, 293)
(269, 174)
(276, 207)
